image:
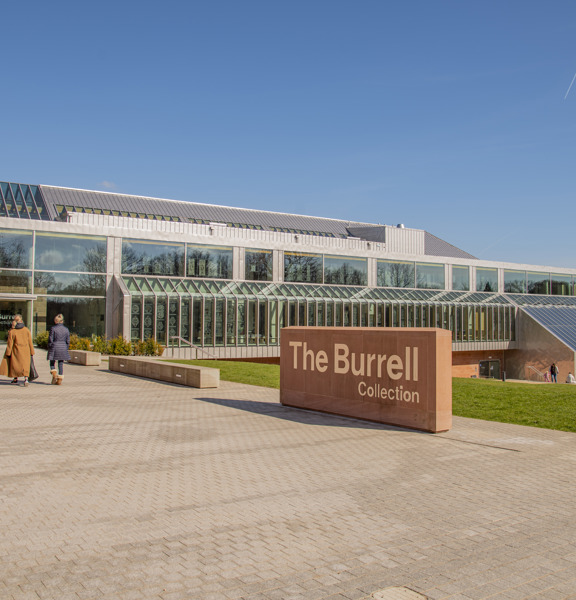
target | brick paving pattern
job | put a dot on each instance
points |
(121, 488)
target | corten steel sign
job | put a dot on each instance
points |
(398, 376)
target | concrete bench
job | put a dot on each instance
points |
(85, 357)
(190, 375)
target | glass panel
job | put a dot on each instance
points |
(185, 319)
(537, 283)
(82, 316)
(231, 322)
(460, 278)
(173, 328)
(291, 314)
(273, 339)
(430, 276)
(136, 318)
(70, 253)
(242, 329)
(148, 318)
(345, 270)
(149, 258)
(514, 281)
(252, 322)
(302, 267)
(16, 282)
(301, 314)
(262, 322)
(346, 314)
(561, 285)
(214, 262)
(219, 322)
(258, 265)
(311, 314)
(329, 314)
(15, 249)
(161, 318)
(486, 279)
(69, 283)
(208, 322)
(394, 273)
(338, 308)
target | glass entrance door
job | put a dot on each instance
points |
(9, 308)
(490, 369)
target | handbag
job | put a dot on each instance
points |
(33, 372)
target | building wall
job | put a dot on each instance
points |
(538, 348)
(466, 364)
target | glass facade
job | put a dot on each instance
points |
(16, 249)
(460, 278)
(345, 270)
(258, 265)
(60, 252)
(430, 276)
(185, 293)
(486, 280)
(152, 258)
(537, 283)
(514, 281)
(302, 267)
(208, 261)
(395, 273)
(252, 313)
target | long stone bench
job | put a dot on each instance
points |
(85, 357)
(190, 375)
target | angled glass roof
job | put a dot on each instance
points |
(560, 321)
(538, 300)
(140, 284)
(22, 201)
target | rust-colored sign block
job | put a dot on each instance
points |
(398, 376)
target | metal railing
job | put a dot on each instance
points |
(534, 372)
(188, 344)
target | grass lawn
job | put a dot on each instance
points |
(552, 406)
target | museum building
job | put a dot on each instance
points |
(211, 281)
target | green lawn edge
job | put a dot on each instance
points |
(549, 406)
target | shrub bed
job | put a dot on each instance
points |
(117, 346)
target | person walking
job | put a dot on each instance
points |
(554, 373)
(58, 345)
(19, 349)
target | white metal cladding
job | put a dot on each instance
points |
(404, 241)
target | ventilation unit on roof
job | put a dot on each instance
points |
(400, 225)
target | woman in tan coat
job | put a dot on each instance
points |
(19, 349)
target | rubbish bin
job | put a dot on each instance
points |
(503, 375)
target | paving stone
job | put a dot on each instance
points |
(117, 487)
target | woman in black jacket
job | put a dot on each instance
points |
(58, 344)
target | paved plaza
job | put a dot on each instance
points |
(121, 488)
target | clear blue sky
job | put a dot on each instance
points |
(448, 116)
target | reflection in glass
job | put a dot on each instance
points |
(537, 283)
(514, 281)
(302, 268)
(429, 276)
(16, 282)
(70, 253)
(395, 273)
(83, 316)
(460, 278)
(214, 262)
(15, 249)
(258, 265)
(135, 318)
(70, 284)
(486, 279)
(147, 258)
(345, 270)
(561, 285)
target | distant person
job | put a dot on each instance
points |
(58, 345)
(570, 378)
(554, 373)
(19, 349)
(547, 376)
